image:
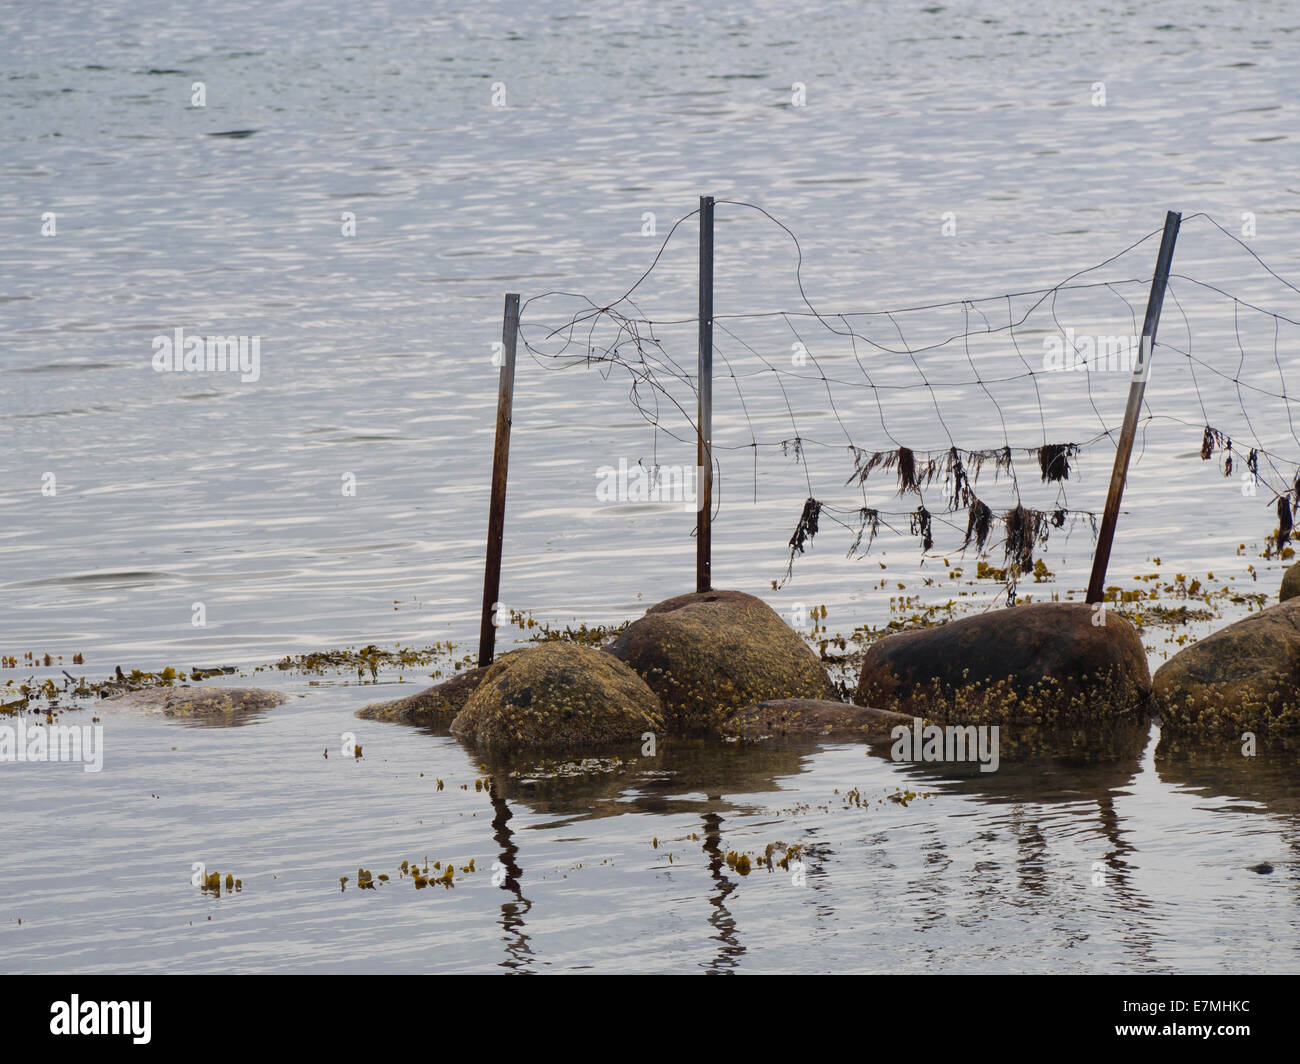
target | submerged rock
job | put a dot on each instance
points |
(810, 718)
(205, 704)
(709, 654)
(557, 694)
(1245, 677)
(433, 705)
(1040, 663)
(1290, 583)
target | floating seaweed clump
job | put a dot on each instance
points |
(212, 884)
(1054, 460)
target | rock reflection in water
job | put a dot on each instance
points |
(694, 775)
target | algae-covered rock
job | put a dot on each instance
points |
(434, 705)
(1245, 677)
(1290, 583)
(810, 718)
(709, 654)
(1049, 663)
(203, 704)
(558, 694)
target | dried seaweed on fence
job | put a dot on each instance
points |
(807, 526)
(804, 531)
(618, 335)
(1283, 522)
(1211, 440)
(1054, 460)
(1000, 456)
(868, 521)
(978, 524)
(913, 473)
(1025, 530)
(864, 462)
(907, 471)
(959, 474)
(956, 486)
(921, 527)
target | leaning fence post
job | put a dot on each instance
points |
(704, 450)
(1100, 559)
(487, 632)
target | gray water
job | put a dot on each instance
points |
(174, 489)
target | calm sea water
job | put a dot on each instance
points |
(945, 152)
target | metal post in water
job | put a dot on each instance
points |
(704, 451)
(1097, 582)
(500, 460)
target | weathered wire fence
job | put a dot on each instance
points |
(958, 423)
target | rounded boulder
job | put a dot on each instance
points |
(1244, 677)
(1290, 583)
(709, 654)
(1044, 663)
(557, 694)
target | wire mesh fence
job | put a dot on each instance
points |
(958, 423)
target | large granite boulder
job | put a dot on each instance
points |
(1049, 663)
(709, 654)
(557, 694)
(1290, 583)
(1245, 677)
